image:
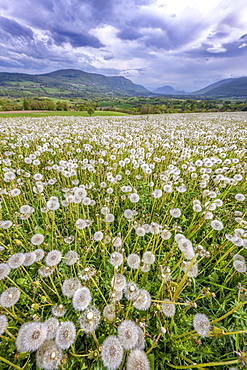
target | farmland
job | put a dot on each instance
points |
(123, 242)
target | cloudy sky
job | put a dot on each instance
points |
(187, 44)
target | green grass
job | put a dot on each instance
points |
(61, 113)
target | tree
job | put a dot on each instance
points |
(90, 110)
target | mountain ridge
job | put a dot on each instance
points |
(68, 83)
(231, 87)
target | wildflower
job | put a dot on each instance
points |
(137, 360)
(168, 309)
(116, 295)
(117, 242)
(201, 324)
(49, 355)
(30, 258)
(80, 224)
(128, 213)
(4, 270)
(109, 312)
(112, 353)
(142, 301)
(58, 310)
(165, 234)
(131, 290)
(87, 273)
(70, 286)
(45, 271)
(71, 257)
(3, 323)
(51, 325)
(134, 197)
(175, 212)
(65, 335)
(89, 319)
(53, 258)
(98, 236)
(133, 261)
(39, 254)
(148, 258)
(140, 231)
(128, 334)
(116, 259)
(157, 193)
(118, 282)
(31, 336)
(240, 197)
(109, 217)
(239, 266)
(193, 270)
(37, 239)
(105, 211)
(52, 205)
(10, 297)
(217, 225)
(16, 260)
(26, 209)
(81, 299)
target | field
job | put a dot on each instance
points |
(123, 242)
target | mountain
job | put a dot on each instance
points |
(231, 87)
(169, 90)
(67, 83)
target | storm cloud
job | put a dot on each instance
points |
(184, 43)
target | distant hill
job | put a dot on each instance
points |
(231, 87)
(67, 83)
(169, 90)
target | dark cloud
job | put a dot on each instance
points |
(13, 28)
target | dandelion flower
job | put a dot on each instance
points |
(16, 260)
(109, 217)
(70, 286)
(58, 310)
(3, 323)
(240, 197)
(81, 298)
(71, 257)
(37, 239)
(168, 309)
(217, 225)
(49, 355)
(128, 334)
(133, 261)
(30, 258)
(45, 271)
(65, 335)
(201, 324)
(51, 325)
(89, 319)
(39, 254)
(98, 236)
(112, 353)
(175, 212)
(134, 197)
(31, 336)
(142, 301)
(53, 258)
(148, 258)
(131, 291)
(239, 266)
(116, 259)
(109, 312)
(4, 270)
(10, 297)
(118, 282)
(137, 360)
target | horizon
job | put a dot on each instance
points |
(154, 43)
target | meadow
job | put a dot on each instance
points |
(123, 242)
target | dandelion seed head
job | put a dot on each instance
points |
(49, 356)
(201, 324)
(3, 323)
(116, 259)
(30, 258)
(58, 310)
(143, 300)
(168, 309)
(128, 334)
(16, 260)
(53, 258)
(10, 297)
(137, 360)
(118, 282)
(65, 335)
(51, 325)
(31, 336)
(112, 353)
(71, 257)
(70, 286)
(133, 261)
(37, 239)
(89, 319)
(4, 270)
(81, 298)
(109, 312)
